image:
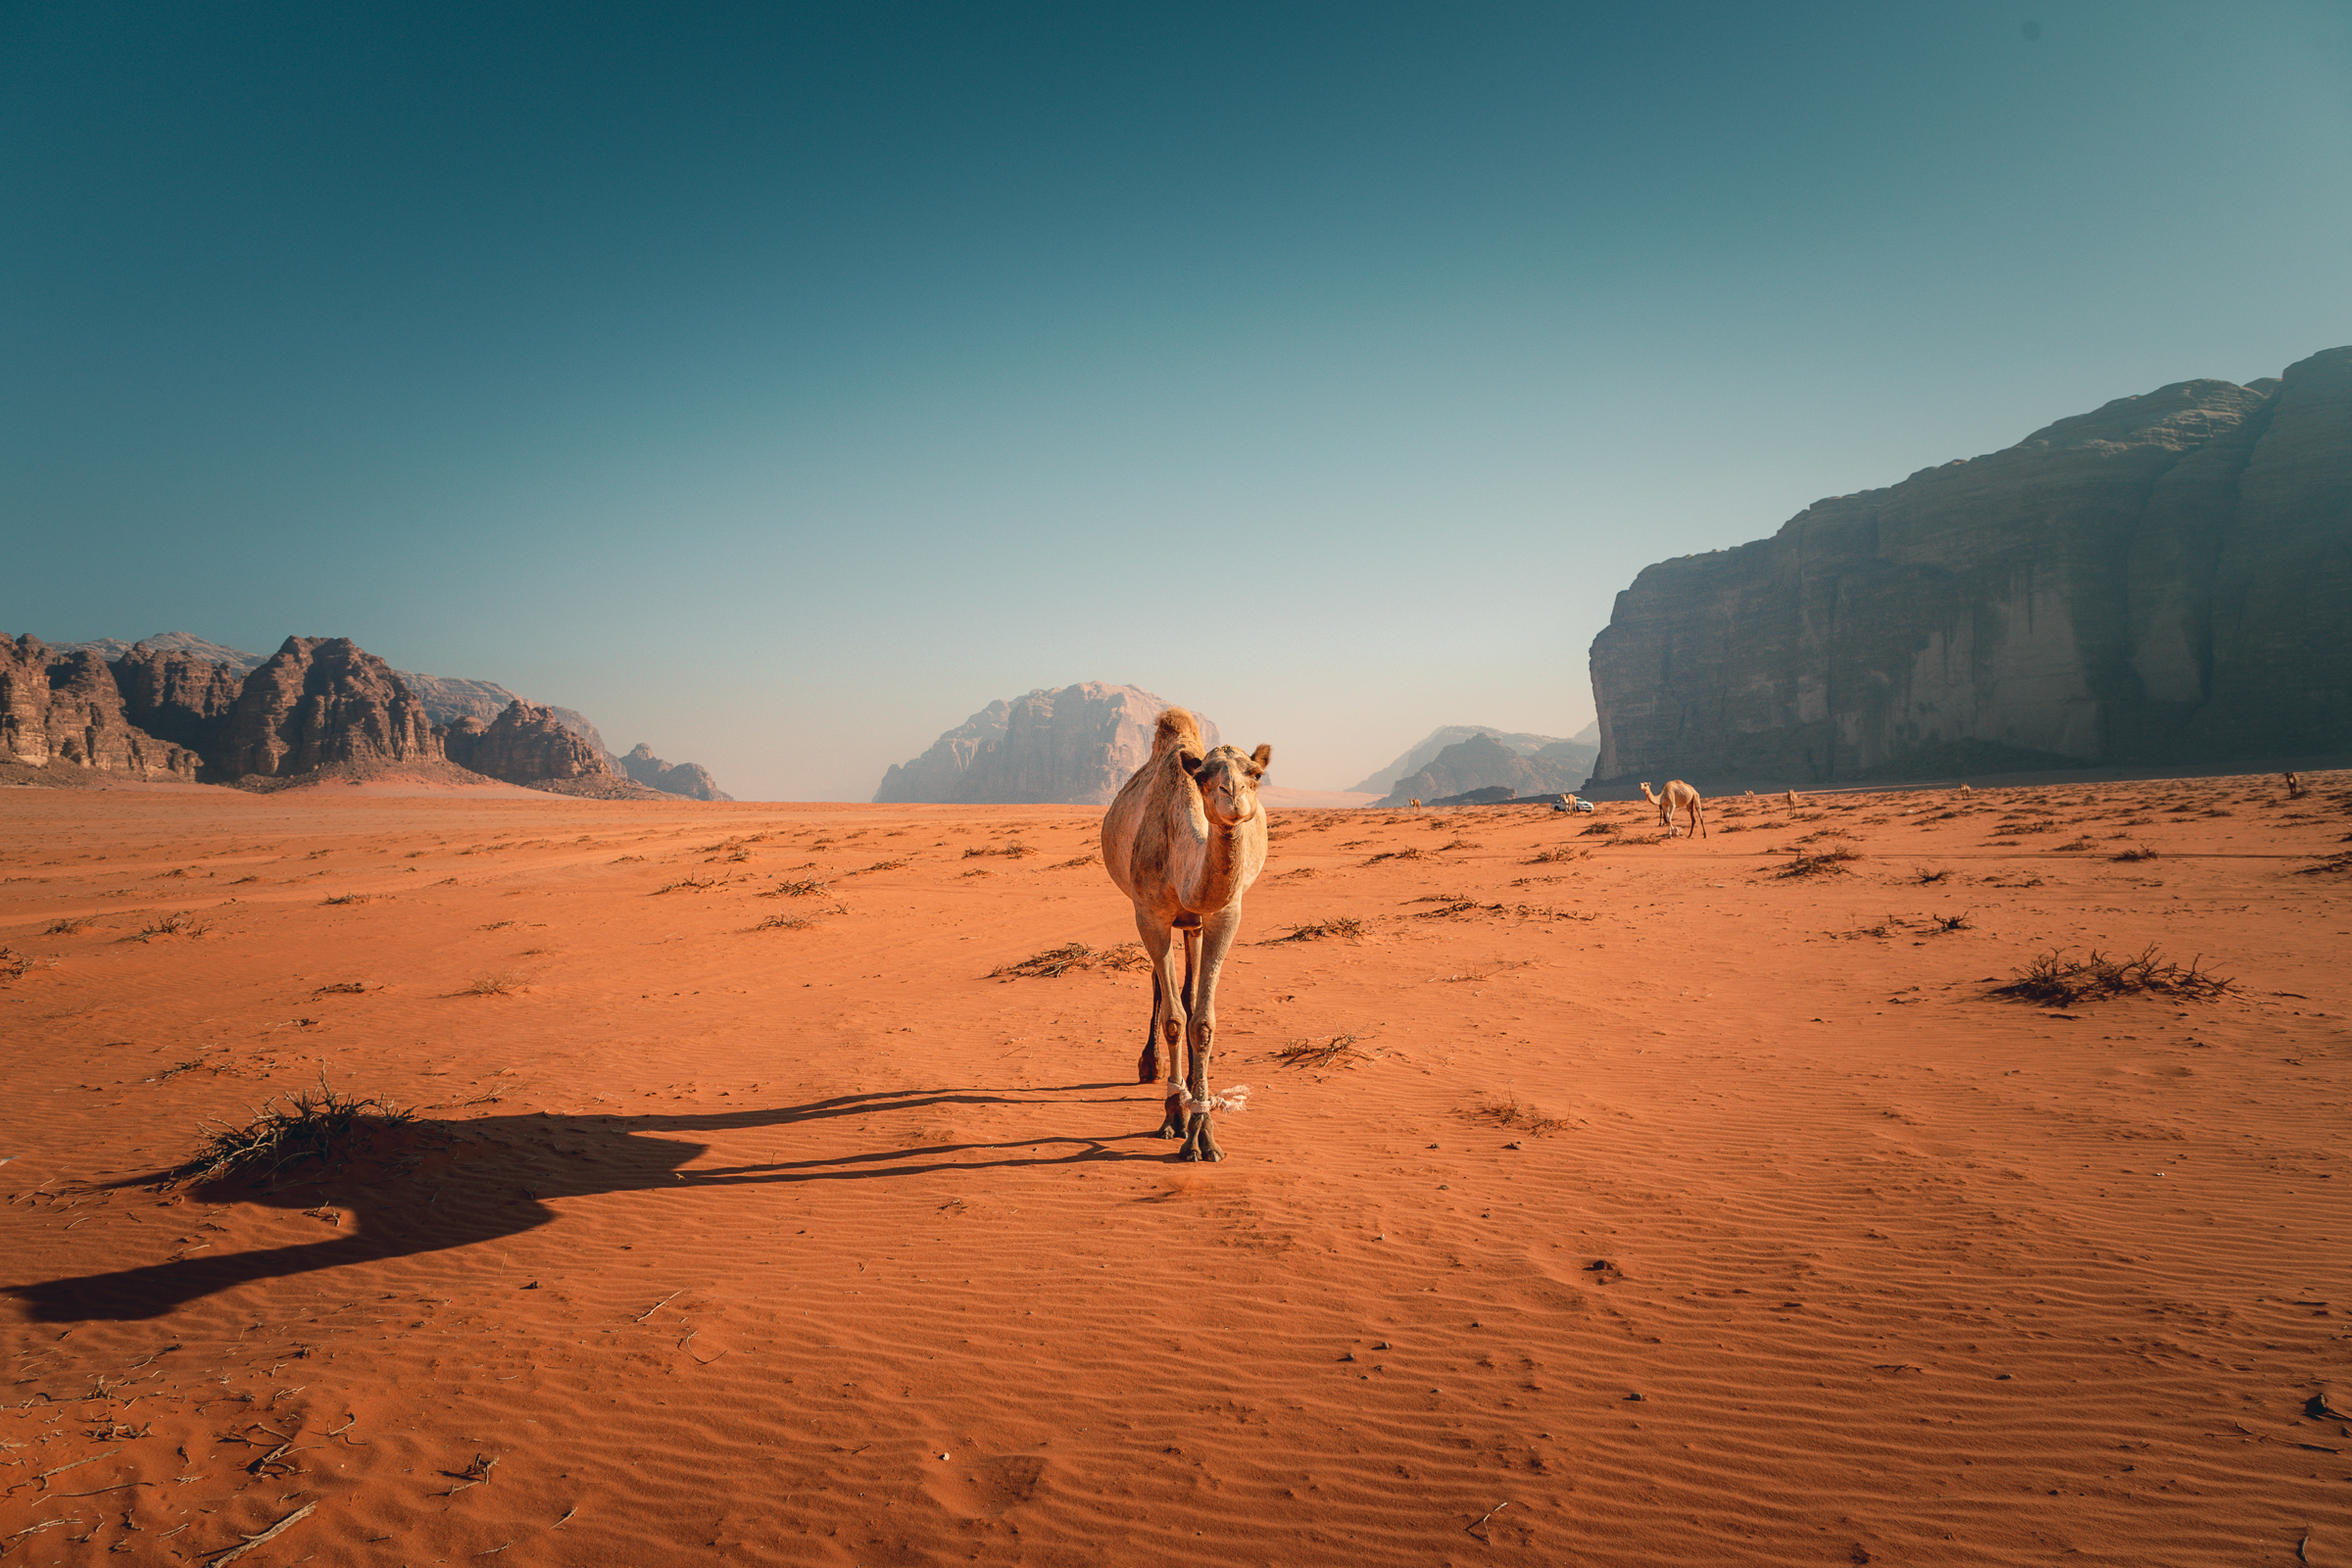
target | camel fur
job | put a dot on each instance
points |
(1184, 839)
(1678, 797)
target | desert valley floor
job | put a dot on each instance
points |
(1604, 1198)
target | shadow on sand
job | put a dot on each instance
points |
(428, 1185)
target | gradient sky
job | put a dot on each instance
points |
(778, 385)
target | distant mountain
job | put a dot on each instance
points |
(1584, 746)
(690, 779)
(1483, 764)
(177, 706)
(1074, 746)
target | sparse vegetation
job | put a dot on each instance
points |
(1457, 844)
(13, 964)
(1511, 1112)
(2139, 851)
(689, 884)
(1337, 1051)
(800, 888)
(180, 923)
(1012, 851)
(1055, 963)
(1926, 877)
(501, 984)
(1407, 853)
(1345, 925)
(786, 922)
(1075, 861)
(2052, 980)
(1827, 862)
(315, 1126)
(1554, 857)
(342, 988)
(1598, 827)
(355, 897)
(66, 928)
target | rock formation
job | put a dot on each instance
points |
(321, 700)
(449, 698)
(1574, 754)
(1075, 746)
(2166, 580)
(112, 649)
(179, 694)
(690, 779)
(65, 710)
(524, 744)
(1481, 764)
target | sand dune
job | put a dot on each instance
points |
(1660, 1208)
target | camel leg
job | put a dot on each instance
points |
(1217, 932)
(1168, 1021)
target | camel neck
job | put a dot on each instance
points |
(1217, 873)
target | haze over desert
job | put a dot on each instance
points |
(1631, 1201)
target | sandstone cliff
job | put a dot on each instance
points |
(450, 697)
(318, 701)
(66, 711)
(1075, 746)
(689, 779)
(1483, 763)
(524, 744)
(179, 694)
(2164, 580)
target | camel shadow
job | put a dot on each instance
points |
(431, 1184)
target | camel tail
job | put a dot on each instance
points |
(1177, 727)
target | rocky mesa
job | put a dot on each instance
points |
(1074, 746)
(2164, 580)
(1483, 763)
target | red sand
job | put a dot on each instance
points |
(1675, 1211)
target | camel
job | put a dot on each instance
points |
(2294, 786)
(1793, 799)
(1184, 840)
(1678, 797)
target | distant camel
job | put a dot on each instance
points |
(2294, 785)
(1416, 800)
(1184, 840)
(1679, 797)
(1793, 798)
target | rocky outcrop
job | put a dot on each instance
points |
(1481, 764)
(318, 701)
(1074, 746)
(527, 744)
(66, 711)
(178, 696)
(2165, 580)
(112, 649)
(448, 698)
(1425, 750)
(689, 779)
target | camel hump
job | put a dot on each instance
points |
(1177, 727)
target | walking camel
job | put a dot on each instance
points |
(1678, 797)
(1184, 840)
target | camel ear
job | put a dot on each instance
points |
(1260, 759)
(1190, 761)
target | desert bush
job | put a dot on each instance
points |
(1827, 862)
(785, 922)
(315, 1126)
(1338, 1050)
(1344, 925)
(1553, 856)
(2139, 851)
(354, 898)
(1055, 963)
(688, 884)
(1924, 876)
(13, 964)
(66, 928)
(1510, 1111)
(800, 888)
(1598, 827)
(493, 985)
(180, 923)
(2052, 980)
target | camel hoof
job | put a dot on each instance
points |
(1169, 1130)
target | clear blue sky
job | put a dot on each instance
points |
(778, 384)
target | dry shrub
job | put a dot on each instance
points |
(786, 922)
(1827, 861)
(181, 923)
(1074, 862)
(2333, 866)
(1923, 876)
(1511, 1112)
(1055, 963)
(66, 928)
(1337, 1051)
(355, 897)
(318, 1126)
(1408, 854)
(2052, 980)
(1554, 857)
(2139, 851)
(13, 964)
(689, 884)
(1013, 851)
(1344, 925)
(801, 888)
(1598, 827)
(341, 988)
(880, 866)
(493, 985)
(1457, 844)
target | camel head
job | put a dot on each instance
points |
(1646, 795)
(1228, 782)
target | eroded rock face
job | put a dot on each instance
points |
(524, 744)
(67, 709)
(689, 779)
(2165, 579)
(1483, 763)
(321, 700)
(448, 698)
(1075, 746)
(178, 696)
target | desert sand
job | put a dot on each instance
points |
(1649, 1206)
